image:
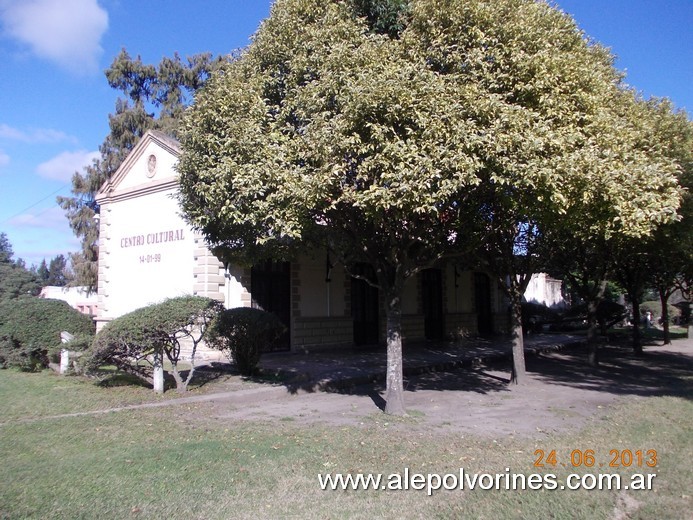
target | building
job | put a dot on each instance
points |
(545, 290)
(77, 297)
(147, 253)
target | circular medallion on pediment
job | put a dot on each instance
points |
(151, 166)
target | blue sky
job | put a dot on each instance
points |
(55, 99)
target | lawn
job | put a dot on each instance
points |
(183, 461)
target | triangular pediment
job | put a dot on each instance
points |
(150, 166)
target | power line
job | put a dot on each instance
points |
(35, 204)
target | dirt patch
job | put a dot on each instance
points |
(563, 393)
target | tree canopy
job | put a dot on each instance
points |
(15, 279)
(379, 129)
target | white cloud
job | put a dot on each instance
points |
(67, 32)
(4, 159)
(36, 135)
(51, 218)
(63, 166)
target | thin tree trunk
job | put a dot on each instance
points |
(181, 386)
(592, 311)
(592, 343)
(637, 341)
(519, 373)
(394, 394)
(664, 299)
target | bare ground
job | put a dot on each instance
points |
(562, 393)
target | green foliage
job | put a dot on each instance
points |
(478, 120)
(155, 98)
(15, 279)
(6, 251)
(384, 16)
(243, 333)
(30, 328)
(655, 307)
(382, 147)
(17, 282)
(128, 342)
(54, 274)
(42, 272)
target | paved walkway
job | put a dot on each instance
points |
(340, 370)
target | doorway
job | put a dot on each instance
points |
(432, 301)
(270, 288)
(364, 306)
(482, 300)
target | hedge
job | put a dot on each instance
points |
(30, 330)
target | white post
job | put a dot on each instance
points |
(64, 361)
(158, 373)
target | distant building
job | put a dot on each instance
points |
(77, 297)
(545, 290)
(148, 253)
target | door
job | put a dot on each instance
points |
(482, 300)
(364, 307)
(432, 300)
(270, 288)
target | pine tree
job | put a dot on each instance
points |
(154, 98)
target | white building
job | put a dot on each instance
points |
(545, 290)
(76, 297)
(147, 253)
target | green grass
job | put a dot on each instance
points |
(30, 396)
(183, 462)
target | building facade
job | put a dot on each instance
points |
(148, 253)
(77, 297)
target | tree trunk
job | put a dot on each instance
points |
(664, 299)
(519, 373)
(592, 312)
(394, 394)
(592, 343)
(180, 384)
(637, 341)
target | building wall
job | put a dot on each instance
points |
(77, 297)
(147, 253)
(545, 290)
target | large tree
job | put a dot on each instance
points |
(670, 249)
(380, 128)
(154, 98)
(612, 230)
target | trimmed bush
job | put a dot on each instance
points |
(655, 307)
(535, 315)
(30, 328)
(130, 341)
(242, 334)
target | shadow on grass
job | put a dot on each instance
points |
(204, 375)
(659, 372)
(114, 378)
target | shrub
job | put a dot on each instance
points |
(655, 307)
(30, 328)
(535, 315)
(130, 341)
(242, 334)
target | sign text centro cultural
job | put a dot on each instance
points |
(160, 237)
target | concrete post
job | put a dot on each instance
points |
(158, 373)
(64, 361)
